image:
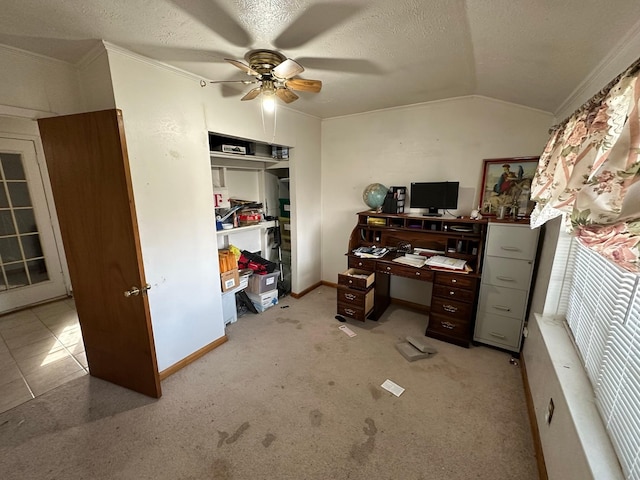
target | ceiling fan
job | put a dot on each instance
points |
(275, 74)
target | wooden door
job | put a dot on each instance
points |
(86, 155)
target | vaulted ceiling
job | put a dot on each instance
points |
(369, 54)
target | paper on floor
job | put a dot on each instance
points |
(392, 387)
(347, 330)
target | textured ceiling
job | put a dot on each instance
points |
(369, 54)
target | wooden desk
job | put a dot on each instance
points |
(454, 295)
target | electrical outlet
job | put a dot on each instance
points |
(549, 414)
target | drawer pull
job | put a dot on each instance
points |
(348, 311)
(448, 325)
(500, 307)
(418, 274)
(510, 249)
(349, 296)
(359, 264)
(453, 280)
(497, 335)
(388, 268)
(350, 281)
(452, 292)
(505, 279)
(450, 308)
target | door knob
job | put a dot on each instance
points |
(133, 291)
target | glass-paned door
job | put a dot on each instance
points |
(30, 269)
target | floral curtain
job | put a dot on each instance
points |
(590, 173)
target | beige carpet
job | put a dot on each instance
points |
(290, 396)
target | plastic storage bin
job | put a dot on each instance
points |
(263, 283)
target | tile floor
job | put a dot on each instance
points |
(40, 349)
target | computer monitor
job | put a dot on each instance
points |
(434, 196)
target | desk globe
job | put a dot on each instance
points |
(374, 195)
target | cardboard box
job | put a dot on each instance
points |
(262, 301)
(263, 283)
(230, 280)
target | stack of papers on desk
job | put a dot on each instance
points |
(411, 260)
(447, 263)
(370, 252)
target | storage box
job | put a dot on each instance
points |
(263, 283)
(354, 278)
(230, 280)
(262, 301)
(285, 207)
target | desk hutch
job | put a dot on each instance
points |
(454, 295)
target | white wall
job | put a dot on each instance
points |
(444, 140)
(167, 116)
(34, 82)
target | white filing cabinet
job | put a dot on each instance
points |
(509, 260)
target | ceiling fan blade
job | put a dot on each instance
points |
(286, 95)
(287, 69)
(253, 93)
(246, 82)
(313, 22)
(303, 85)
(245, 68)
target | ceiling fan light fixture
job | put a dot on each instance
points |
(268, 96)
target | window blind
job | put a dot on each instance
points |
(603, 313)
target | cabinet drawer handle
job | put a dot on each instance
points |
(452, 292)
(448, 325)
(510, 249)
(506, 279)
(388, 268)
(497, 335)
(359, 264)
(350, 281)
(450, 308)
(418, 274)
(453, 280)
(500, 307)
(348, 311)
(349, 296)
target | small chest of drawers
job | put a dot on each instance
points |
(452, 302)
(355, 293)
(506, 279)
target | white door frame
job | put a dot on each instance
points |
(42, 200)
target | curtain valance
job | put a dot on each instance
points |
(589, 172)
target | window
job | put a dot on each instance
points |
(603, 313)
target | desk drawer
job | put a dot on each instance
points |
(351, 311)
(405, 271)
(449, 327)
(356, 298)
(445, 291)
(458, 280)
(451, 308)
(362, 263)
(354, 278)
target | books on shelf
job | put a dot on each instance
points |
(370, 252)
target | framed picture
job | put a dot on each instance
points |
(506, 182)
